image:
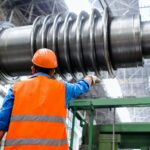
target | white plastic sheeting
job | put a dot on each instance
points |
(134, 82)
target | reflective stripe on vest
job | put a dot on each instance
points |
(35, 141)
(43, 118)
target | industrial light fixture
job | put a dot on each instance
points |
(144, 3)
(144, 7)
(77, 6)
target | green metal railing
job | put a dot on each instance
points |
(92, 104)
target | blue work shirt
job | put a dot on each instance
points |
(72, 91)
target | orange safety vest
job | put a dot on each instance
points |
(38, 116)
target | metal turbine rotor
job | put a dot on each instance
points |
(84, 43)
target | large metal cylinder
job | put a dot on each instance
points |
(82, 43)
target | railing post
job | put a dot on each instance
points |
(72, 130)
(90, 138)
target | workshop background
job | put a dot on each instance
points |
(128, 82)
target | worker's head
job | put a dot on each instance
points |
(44, 60)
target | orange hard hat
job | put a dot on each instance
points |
(45, 58)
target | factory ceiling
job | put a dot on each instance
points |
(23, 12)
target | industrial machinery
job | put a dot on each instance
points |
(83, 44)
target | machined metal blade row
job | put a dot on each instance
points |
(89, 42)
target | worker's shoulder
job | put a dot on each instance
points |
(57, 82)
(38, 80)
(21, 82)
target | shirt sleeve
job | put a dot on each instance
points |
(76, 89)
(5, 112)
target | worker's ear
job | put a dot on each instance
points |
(52, 72)
(1, 134)
(33, 70)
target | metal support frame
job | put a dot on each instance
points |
(114, 122)
(105, 142)
(90, 138)
(72, 129)
(109, 103)
(132, 135)
(145, 148)
(103, 4)
(132, 131)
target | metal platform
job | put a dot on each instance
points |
(111, 136)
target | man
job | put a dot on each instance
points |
(37, 107)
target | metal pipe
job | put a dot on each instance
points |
(82, 43)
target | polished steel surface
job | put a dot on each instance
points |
(105, 20)
(15, 51)
(145, 32)
(88, 49)
(75, 45)
(83, 44)
(63, 46)
(125, 41)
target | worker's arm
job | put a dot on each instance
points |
(5, 112)
(1, 134)
(79, 88)
(91, 79)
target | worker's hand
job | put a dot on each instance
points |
(95, 79)
(92, 79)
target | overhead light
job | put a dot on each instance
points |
(144, 6)
(113, 90)
(77, 6)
